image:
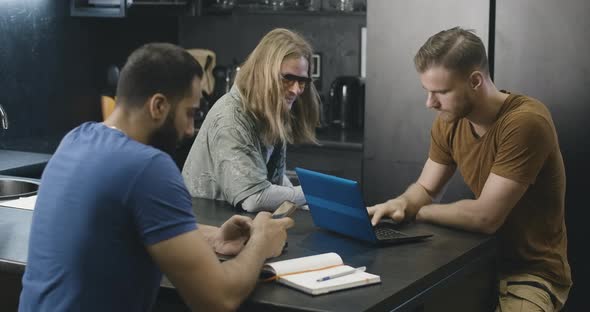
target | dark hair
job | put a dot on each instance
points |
(157, 68)
(455, 49)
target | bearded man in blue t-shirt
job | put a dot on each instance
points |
(113, 212)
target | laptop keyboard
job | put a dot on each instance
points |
(387, 233)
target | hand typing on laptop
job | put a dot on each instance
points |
(337, 204)
(401, 208)
(394, 209)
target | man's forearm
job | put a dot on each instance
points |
(463, 214)
(244, 269)
(415, 197)
(227, 283)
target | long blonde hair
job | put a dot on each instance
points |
(261, 89)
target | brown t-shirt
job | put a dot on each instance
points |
(521, 146)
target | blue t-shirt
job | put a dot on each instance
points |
(103, 198)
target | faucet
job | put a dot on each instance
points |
(3, 118)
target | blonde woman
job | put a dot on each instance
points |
(239, 154)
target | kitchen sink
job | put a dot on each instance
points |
(15, 187)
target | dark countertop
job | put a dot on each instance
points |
(408, 272)
(39, 144)
(14, 237)
(24, 164)
(340, 138)
(327, 136)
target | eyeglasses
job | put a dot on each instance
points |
(289, 79)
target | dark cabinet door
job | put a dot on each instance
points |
(123, 8)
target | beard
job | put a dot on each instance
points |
(289, 102)
(166, 138)
(461, 110)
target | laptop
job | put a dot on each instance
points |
(337, 204)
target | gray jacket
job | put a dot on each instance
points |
(227, 160)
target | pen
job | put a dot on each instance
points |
(344, 273)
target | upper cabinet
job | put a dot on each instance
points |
(286, 7)
(123, 8)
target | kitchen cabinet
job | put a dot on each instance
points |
(293, 7)
(86, 8)
(339, 153)
(342, 162)
(123, 8)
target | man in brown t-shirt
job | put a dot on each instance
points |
(506, 148)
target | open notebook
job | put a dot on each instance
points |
(303, 273)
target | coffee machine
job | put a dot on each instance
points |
(347, 102)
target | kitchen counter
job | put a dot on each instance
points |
(14, 237)
(453, 268)
(41, 144)
(334, 137)
(22, 164)
(340, 153)
(26, 157)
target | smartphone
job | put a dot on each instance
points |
(284, 210)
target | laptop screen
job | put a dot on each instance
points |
(336, 204)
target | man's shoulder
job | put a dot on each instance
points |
(526, 112)
(527, 121)
(228, 111)
(522, 106)
(108, 146)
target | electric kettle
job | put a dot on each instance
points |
(346, 102)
